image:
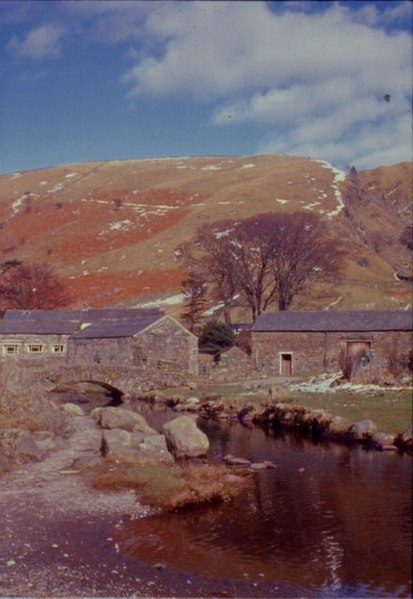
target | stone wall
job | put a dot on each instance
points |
(234, 364)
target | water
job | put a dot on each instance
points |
(330, 519)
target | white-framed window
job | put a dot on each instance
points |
(35, 348)
(58, 348)
(10, 349)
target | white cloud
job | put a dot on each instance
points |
(41, 42)
(317, 81)
(311, 75)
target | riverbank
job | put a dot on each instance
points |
(57, 535)
(378, 417)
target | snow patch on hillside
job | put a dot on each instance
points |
(249, 165)
(17, 204)
(281, 201)
(167, 301)
(339, 177)
(211, 167)
(122, 225)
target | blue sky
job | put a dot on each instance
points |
(115, 79)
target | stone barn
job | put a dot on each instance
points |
(303, 343)
(156, 345)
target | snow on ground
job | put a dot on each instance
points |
(249, 165)
(324, 384)
(333, 303)
(211, 311)
(211, 167)
(167, 301)
(122, 225)
(281, 201)
(17, 204)
(57, 187)
(339, 177)
(70, 175)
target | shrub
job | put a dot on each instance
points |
(350, 362)
(216, 336)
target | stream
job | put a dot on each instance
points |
(330, 520)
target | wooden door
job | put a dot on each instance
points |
(286, 361)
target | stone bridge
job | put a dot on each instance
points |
(121, 381)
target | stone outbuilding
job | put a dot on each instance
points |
(303, 343)
(151, 342)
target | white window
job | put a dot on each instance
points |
(35, 348)
(59, 348)
(11, 349)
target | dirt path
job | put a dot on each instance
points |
(56, 535)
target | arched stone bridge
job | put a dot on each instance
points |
(120, 380)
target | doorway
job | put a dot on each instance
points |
(286, 364)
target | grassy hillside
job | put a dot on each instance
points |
(112, 229)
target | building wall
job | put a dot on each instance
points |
(35, 347)
(314, 352)
(102, 351)
(166, 347)
(164, 352)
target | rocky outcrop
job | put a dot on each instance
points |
(19, 445)
(110, 418)
(184, 439)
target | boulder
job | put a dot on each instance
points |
(120, 418)
(363, 430)
(383, 442)
(184, 439)
(73, 408)
(232, 460)
(116, 442)
(155, 447)
(19, 445)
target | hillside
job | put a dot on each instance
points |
(112, 229)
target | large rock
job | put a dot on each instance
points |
(184, 439)
(155, 447)
(116, 442)
(19, 445)
(120, 418)
(363, 430)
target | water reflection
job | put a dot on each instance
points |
(331, 519)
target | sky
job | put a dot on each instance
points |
(85, 80)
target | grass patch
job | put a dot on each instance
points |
(168, 487)
(391, 410)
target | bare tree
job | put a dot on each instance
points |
(264, 259)
(301, 255)
(31, 287)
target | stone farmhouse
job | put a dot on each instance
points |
(147, 340)
(304, 343)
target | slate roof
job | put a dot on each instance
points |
(89, 315)
(335, 320)
(124, 327)
(37, 327)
